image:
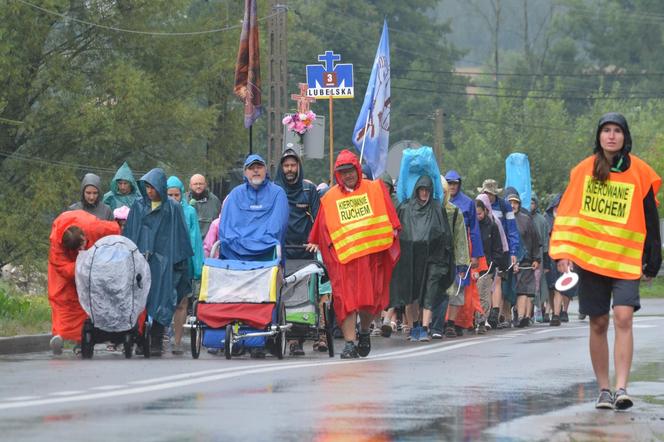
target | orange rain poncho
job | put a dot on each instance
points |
(67, 316)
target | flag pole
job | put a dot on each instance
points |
(364, 137)
(251, 140)
(331, 141)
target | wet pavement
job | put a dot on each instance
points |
(518, 384)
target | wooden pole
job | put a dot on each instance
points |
(251, 140)
(331, 142)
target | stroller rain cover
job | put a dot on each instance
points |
(113, 281)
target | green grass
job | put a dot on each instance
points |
(653, 289)
(22, 314)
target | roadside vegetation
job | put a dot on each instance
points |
(22, 314)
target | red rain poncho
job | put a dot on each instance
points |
(67, 316)
(363, 283)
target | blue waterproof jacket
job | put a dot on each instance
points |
(191, 218)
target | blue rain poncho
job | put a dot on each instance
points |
(414, 164)
(517, 175)
(161, 235)
(253, 221)
(191, 218)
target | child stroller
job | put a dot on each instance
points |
(310, 319)
(239, 307)
(113, 281)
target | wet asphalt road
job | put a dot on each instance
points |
(518, 384)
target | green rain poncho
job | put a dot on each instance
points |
(115, 199)
(191, 218)
(424, 270)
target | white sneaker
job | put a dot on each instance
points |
(56, 344)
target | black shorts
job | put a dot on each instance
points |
(595, 293)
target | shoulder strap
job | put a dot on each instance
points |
(454, 218)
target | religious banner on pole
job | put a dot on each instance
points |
(330, 80)
(248, 66)
(371, 135)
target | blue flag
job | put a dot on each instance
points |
(372, 128)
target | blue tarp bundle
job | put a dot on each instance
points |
(517, 175)
(414, 164)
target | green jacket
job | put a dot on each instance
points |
(112, 198)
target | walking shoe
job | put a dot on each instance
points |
(56, 344)
(77, 350)
(493, 318)
(604, 400)
(458, 330)
(582, 316)
(295, 349)
(450, 332)
(349, 351)
(211, 350)
(481, 329)
(424, 335)
(436, 335)
(564, 317)
(387, 329)
(621, 400)
(414, 334)
(546, 318)
(555, 321)
(364, 344)
(523, 322)
(504, 324)
(178, 349)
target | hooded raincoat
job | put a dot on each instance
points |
(161, 234)
(67, 315)
(190, 217)
(303, 203)
(426, 267)
(253, 220)
(467, 207)
(113, 198)
(362, 283)
(98, 209)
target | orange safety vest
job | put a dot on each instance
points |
(600, 226)
(358, 222)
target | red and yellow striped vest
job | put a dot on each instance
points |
(357, 222)
(600, 226)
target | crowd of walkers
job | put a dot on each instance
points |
(424, 256)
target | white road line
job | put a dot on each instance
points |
(21, 398)
(66, 393)
(108, 387)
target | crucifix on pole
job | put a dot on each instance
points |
(303, 100)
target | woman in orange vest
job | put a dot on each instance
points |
(607, 227)
(355, 230)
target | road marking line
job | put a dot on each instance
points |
(21, 398)
(108, 387)
(66, 393)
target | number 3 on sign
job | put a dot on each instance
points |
(329, 79)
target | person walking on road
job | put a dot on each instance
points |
(607, 226)
(355, 230)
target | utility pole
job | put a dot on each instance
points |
(277, 80)
(439, 135)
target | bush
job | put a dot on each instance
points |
(21, 314)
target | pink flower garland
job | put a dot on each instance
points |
(299, 123)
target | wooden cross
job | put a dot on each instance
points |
(302, 100)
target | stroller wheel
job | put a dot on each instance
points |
(329, 328)
(128, 344)
(87, 340)
(196, 338)
(280, 340)
(228, 342)
(147, 342)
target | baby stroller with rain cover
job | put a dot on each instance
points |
(113, 281)
(309, 318)
(239, 306)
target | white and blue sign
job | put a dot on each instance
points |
(330, 79)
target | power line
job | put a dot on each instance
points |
(134, 31)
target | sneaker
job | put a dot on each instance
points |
(524, 322)
(387, 329)
(436, 335)
(546, 318)
(211, 350)
(458, 330)
(450, 332)
(564, 317)
(605, 400)
(77, 350)
(414, 334)
(621, 400)
(295, 349)
(582, 316)
(56, 344)
(178, 349)
(424, 335)
(481, 329)
(555, 321)
(504, 324)
(364, 344)
(377, 331)
(493, 319)
(349, 351)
